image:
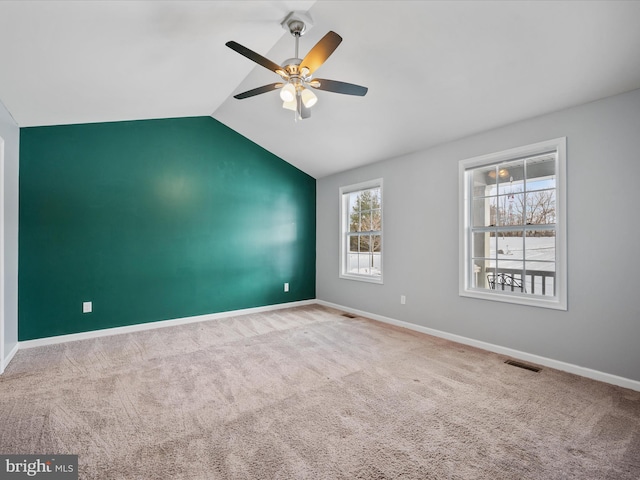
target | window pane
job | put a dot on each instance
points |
(377, 243)
(483, 245)
(375, 198)
(377, 264)
(541, 207)
(376, 220)
(484, 181)
(540, 245)
(541, 172)
(541, 184)
(510, 246)
(481, 269)
(352, 263)
(370, 199)
(365, 221)
(510, 266)
(365, 243)
(541, 266)
(509, 276)
(362, 262)
(353, 244)
(485, 211)
(366, 260)
(368, 264)
(510, 208)
(354, 222)
(511, 176)
(353, 202)
(541, 278)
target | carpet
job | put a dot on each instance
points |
(307, 393)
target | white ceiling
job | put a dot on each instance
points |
(436, 70)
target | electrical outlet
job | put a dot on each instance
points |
(286, 287)
(403, 300)
(87, 307)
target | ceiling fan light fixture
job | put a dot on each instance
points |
(292, 105)
(288, 93)
(308, 98)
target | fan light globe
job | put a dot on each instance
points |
(308, 98)
(288, 93)
(292, 105)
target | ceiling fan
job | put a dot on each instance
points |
(297, 74)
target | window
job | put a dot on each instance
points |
(513, 227)
(361, 231)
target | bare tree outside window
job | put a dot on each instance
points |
(518, 208)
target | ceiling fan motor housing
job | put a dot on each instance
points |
(292, 66)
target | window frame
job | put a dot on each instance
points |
(465, 196)
(344, 231)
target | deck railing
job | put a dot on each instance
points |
(543, 280)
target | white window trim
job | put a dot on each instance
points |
(344, 227)
(559, 302)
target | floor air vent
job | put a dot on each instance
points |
(349, 315)
(522, 365)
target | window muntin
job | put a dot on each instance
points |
(361, 231)
(512, 226)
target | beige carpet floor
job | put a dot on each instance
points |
(306, 393)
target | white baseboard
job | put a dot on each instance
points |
(153, 325)
(5, 361)
(547, 362)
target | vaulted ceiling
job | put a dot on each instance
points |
(436, 70)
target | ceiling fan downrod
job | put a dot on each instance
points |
(297, 29)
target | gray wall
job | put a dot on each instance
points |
(10, 132)
(601, 328)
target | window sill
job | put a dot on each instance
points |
(542, 302)
(362, 278)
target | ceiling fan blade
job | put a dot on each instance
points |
(258, 91)
(256, 57)
(321, 51)
(339, 87)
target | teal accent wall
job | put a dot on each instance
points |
(154, 220)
